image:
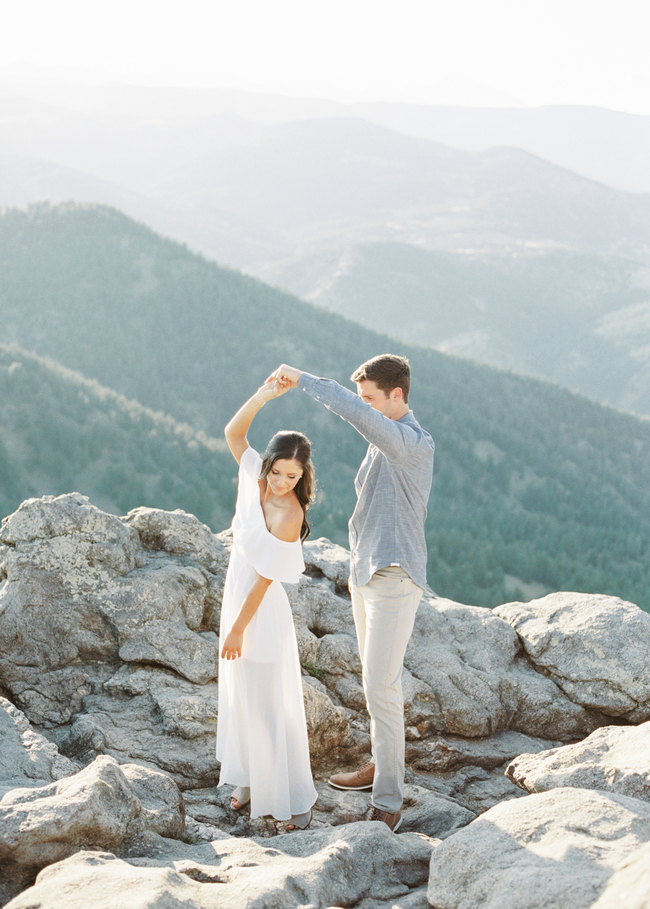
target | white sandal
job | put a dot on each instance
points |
(241, 794)
(298, 822)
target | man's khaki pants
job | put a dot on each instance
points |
(384, 612)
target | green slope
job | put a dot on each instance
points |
(62, 432)
(533, 485)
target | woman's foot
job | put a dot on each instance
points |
(241, 796)
(299, 821)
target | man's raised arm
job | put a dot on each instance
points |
(389, 436)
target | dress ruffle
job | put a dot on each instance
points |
(271, 558)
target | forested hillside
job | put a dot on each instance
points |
(535, 488)
(63, 433)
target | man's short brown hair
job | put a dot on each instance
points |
(387, 371)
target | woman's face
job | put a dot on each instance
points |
(283, 475)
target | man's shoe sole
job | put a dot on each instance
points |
(350, 788)
(397, 825)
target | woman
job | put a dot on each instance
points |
(262, 734)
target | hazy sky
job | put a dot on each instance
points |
(474, 51)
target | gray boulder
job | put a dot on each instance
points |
(179, 534)
(151, 716)
(474, 788)
(326, 559)
(629, 886)
(615, 759)
(472, 679)
(443, 753)
(26, 757)
(346, 866)
(595, 648)
(82, 594)
(546, 851)
(330, 737)
(431, 813)
(100, 805)
(470, 771)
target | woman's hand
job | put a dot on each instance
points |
(235, 638)
(273, 388)
(232, 645)
(237, 428)
(288, 374)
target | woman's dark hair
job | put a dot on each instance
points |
(287, 445)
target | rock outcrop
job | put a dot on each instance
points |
(362, 864)
(613, 759)
(629, 886)
(102, 805)
(26, 757)
(108, 671)
(548, 851)
(596, 649)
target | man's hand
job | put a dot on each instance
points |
(288, 374)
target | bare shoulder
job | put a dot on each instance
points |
(287, 524)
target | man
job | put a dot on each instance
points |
(387, 555)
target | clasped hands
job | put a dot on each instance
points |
(285, 375)
(280, 381)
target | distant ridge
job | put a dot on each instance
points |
(577, 318)
(320, 181)
(307, 194)
(610, 146)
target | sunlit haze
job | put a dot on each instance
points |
(497, 53)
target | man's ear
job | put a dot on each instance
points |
(397, 393)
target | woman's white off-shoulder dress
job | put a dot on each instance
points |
(261, 732)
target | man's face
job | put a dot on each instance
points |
(378, 399)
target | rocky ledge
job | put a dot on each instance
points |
(528, 730)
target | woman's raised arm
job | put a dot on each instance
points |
(238, 427)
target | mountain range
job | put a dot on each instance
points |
(609, 146)
(309, 182)
(535, 488)
(491, 253)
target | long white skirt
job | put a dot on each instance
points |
(262, 733)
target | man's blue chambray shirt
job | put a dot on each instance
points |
(392, 485)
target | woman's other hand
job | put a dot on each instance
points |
(232, 646)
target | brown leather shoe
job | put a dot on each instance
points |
(359, 779)
(392, 821)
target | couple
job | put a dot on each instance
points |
(262, 737)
